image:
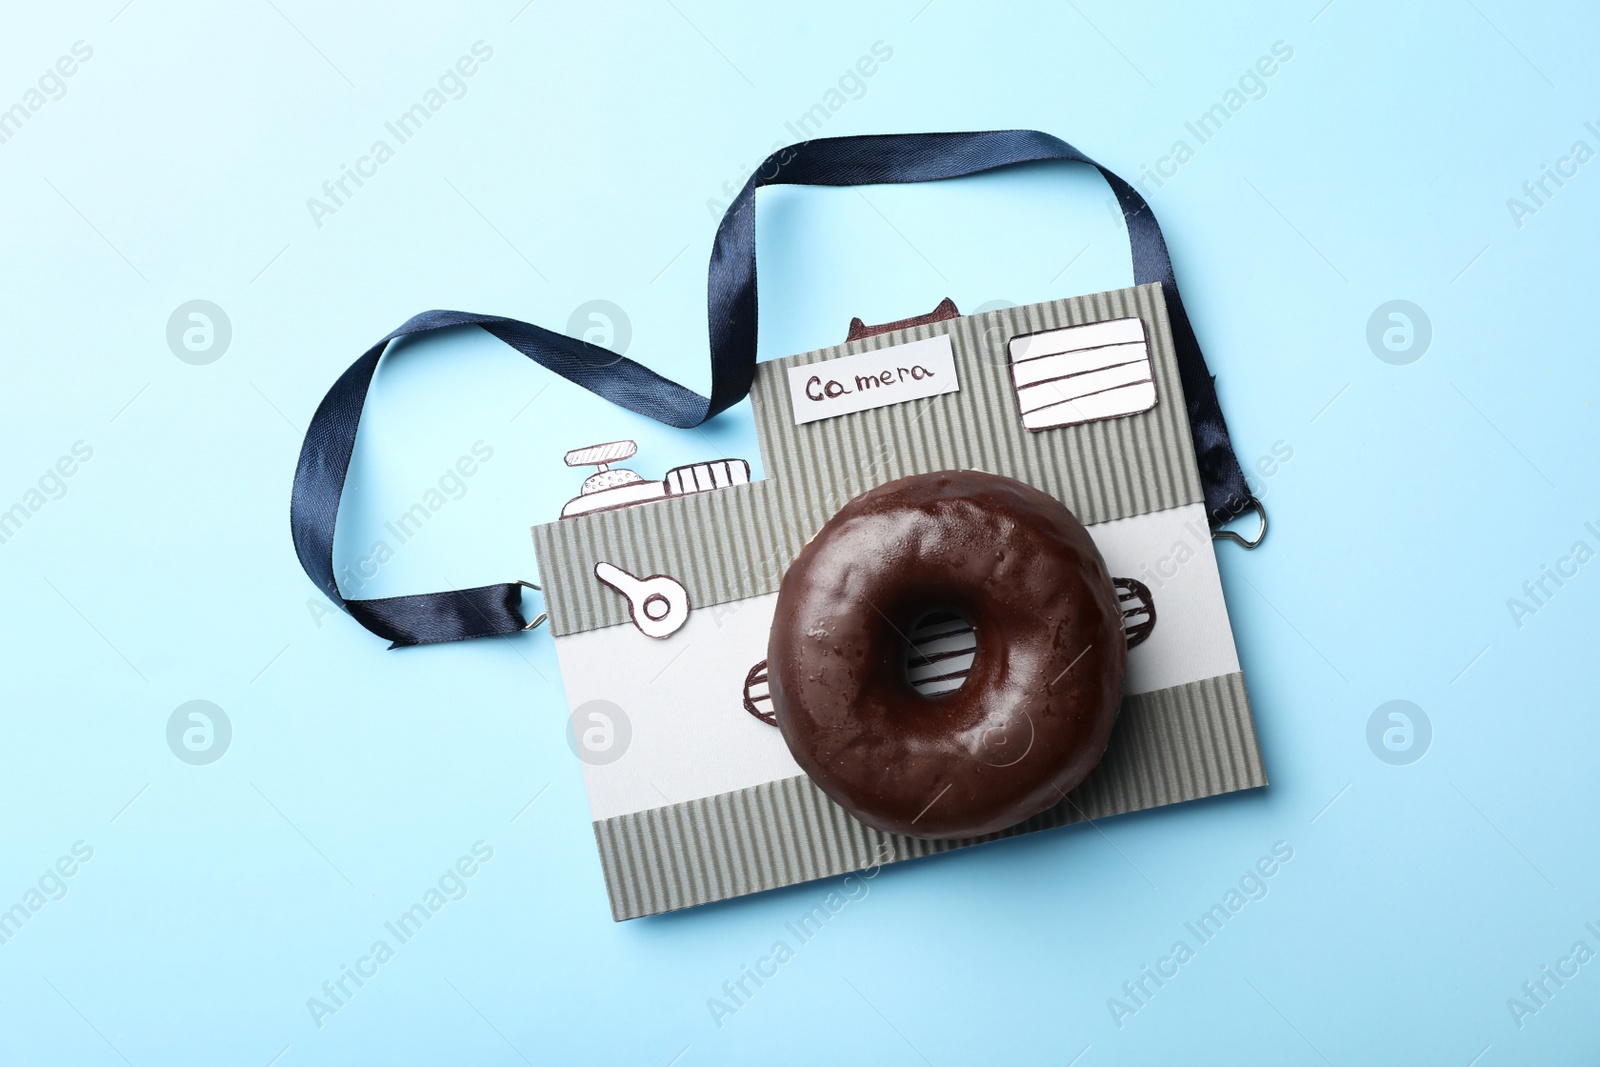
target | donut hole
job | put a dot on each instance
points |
(938, 652)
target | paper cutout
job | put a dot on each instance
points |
(945, 310)
(1186, 729)
(659, 604)
(843, 386)
(758, 695)
(607, 489)
(1138, 610)
(1082, 374)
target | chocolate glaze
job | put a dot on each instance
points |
(1036, 711)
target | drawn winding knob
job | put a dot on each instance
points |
(659, 604)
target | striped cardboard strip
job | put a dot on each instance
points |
(736, 542)
(1184, 743)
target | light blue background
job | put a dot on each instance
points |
(577, 166)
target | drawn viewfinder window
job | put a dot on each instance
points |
(1082, 373)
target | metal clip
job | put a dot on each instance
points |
(543, 616)
(1261, 535)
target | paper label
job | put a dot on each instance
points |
(868, 380)
(1083, 373)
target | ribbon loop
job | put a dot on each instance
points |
(731, 307)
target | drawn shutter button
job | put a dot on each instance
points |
(658, 604)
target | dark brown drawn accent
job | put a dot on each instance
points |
(1138, 610)
(946, 310)
(757, 699)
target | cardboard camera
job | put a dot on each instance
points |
(661, 593)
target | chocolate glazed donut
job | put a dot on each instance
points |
(1035, 713)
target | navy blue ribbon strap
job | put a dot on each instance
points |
(731, 313)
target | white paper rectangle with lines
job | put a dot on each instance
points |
(1082, 374)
